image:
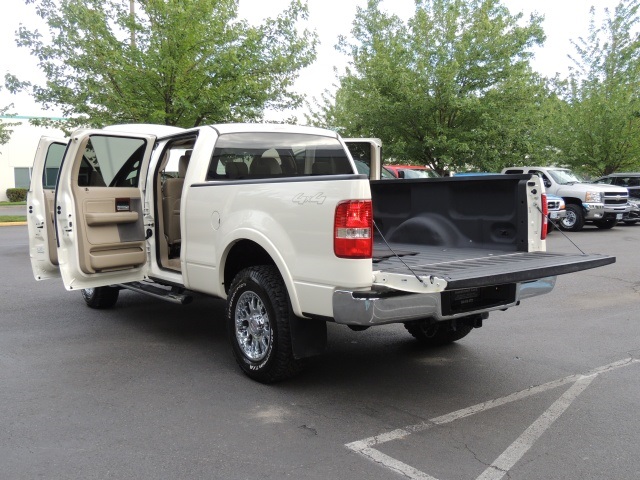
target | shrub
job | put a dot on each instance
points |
(17, 194)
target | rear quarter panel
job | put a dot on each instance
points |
(292, 219)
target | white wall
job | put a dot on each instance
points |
(20, 150)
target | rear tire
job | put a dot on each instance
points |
(574, 221)
(258, 316)
(101, 297)
(438, 333)
(631, 222)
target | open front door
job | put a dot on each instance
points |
(99, 208)
(366, 151)
(40, 198)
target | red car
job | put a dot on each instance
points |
(411, 171)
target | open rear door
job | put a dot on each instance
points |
(99, 208)
(40, 198)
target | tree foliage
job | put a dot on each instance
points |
(598, 129)
(5, 124)
(451, 88)
(173, 62)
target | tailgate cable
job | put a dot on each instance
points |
(400, 258)
(560, 230)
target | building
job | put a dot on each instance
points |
(16, 156)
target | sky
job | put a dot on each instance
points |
(565, 20)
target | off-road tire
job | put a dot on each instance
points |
(574, 221)
(101, 297)
(258, 325)
(440, 333)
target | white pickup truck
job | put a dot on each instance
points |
(276, 220)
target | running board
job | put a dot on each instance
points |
(174, 295)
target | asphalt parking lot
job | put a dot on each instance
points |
(150, 390)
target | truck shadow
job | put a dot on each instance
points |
(381, 361)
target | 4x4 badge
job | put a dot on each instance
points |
(301, 198)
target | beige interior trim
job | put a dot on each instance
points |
(94, 219)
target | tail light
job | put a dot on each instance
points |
(545, 217)
(352, 229)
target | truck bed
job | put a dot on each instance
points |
(469, 231)
(477, 267)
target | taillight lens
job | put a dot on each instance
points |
(545, 217)
(352, 229)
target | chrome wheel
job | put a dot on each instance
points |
(253, 329)
(570, 220)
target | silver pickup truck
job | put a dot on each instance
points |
(276, 220)
(604, 205)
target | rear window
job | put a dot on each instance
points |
(264, 155)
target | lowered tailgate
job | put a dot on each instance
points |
(459, 268)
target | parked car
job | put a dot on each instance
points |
(364, 169)
(631, 181)
(602, 205)
(557, 210)
(633, 216)
(411, 171)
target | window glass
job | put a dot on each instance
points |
(605, 180)
(111, 161)
(265, 155)
(565, 177)
(52, 163)
(417, 173)
(22, 177)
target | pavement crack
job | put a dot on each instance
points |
(478, 458)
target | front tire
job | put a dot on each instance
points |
(438, 333)
(258, 315)
(101, 297)
(574, 221)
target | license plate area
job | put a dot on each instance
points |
(471, 299)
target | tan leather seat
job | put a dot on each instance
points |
(171, 194)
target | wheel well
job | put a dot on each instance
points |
(572, 200)
(243, 254)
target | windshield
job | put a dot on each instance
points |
(565, 177)
(415, 173)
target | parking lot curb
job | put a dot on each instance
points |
(10, 224)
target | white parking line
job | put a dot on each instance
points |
(515, 451)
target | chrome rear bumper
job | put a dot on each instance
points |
(356, 308)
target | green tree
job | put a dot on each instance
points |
(5, 124)
(173, 62)
(598, 130)
(451, 88)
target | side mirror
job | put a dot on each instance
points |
(400, 173)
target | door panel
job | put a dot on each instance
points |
(99, 209)
(110, 239)
(40, 201)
